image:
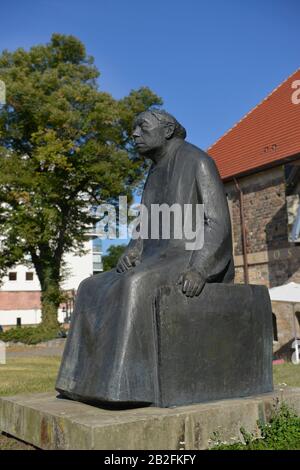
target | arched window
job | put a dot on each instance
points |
(298, 317)
(275, 332)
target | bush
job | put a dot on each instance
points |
(32, 334)
(281, 433)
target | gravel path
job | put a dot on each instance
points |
(50, 348)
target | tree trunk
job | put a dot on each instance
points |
(50, 300)
(48, 271)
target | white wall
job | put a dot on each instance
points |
(79, 267)
(28, 317)
(21, 284)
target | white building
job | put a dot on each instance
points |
(20, 290)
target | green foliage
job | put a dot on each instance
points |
(31, 334)
(64, 146)
(281, 433)
(110, 260)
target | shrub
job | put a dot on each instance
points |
(32, 334)
(281, 433)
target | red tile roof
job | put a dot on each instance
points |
(269, 133)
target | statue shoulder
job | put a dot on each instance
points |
(197, 157)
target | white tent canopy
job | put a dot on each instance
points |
(286, 293)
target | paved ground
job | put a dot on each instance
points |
(10, 443)
(51, 348)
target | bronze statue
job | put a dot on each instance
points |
(113, 352)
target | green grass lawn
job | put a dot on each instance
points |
(28, 374)
(38, 374)
(287, 373)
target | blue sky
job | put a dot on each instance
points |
(210, 60)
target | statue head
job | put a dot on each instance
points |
(153, 129)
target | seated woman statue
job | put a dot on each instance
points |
(110, 356)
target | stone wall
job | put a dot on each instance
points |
(284, 313)
(272, 259)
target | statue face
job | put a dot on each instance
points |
(148, 133)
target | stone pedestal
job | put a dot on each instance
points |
(215, 346)
(51, 423)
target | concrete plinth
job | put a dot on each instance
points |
(52, 423)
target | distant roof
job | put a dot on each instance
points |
(269, 133)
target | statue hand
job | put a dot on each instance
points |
(192, 283)
(127, 261)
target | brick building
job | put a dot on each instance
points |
(20, 290)
(259, 162)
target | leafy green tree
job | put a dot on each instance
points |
(64, 146)
(111, 258)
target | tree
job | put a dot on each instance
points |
(64, 145)
(111, 258)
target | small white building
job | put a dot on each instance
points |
(20, 291)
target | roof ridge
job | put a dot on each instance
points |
(253, 109)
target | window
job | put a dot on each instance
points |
(29, 276)
(12, 276)
(97, 258)
(275, 331)
(292, 178)
(293, 208)
(298, 317)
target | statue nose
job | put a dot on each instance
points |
(136, 132)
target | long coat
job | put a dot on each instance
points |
(110, 355)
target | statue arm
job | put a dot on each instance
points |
(135, 246)
(213, 257)
(131, 255)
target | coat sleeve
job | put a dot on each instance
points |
(216, 253)
(136, 246)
